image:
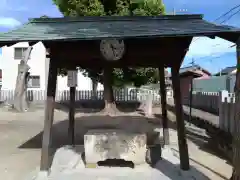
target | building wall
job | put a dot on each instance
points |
(84, 83)
(0, 78)
(215, 84)
(9, 65)
(38, 66)
(185, 83)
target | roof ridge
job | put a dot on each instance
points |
(116, 18)
(190, 66)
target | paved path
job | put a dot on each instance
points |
(212, 118)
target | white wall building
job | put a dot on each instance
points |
(38, 63)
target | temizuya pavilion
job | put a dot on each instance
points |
(159, 42)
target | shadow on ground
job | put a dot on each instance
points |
(128, 123)
(166, 167)
(90, 106)
(203, 142)
(136, 124)
(208, 141)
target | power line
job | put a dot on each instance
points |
(212, 54)
(235, 7)
(204, 57)
(230, 17)
(225, 20)
(226, 13)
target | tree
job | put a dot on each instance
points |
(120, 77)
(20, 98)
(20, 94)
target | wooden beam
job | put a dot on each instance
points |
(182, 143)
(49, 116)
(164, 105)
(137, 51)
(130, 60)
(32, 43)
(71, 115)
(232, 37)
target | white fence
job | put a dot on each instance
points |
(227, 111)
(40, 95)
(206, 101)
(219, 103)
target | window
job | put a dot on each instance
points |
(19, 52)
(34, 81)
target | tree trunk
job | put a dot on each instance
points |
(94, 88)
(236, 135)
(110, 105)
(20, 100)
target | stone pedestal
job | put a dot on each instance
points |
(100, 145)
(148, 107)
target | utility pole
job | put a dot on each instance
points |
(190, 95)
(174, 12)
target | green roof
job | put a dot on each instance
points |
(94, 28)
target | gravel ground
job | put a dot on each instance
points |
(20, 142)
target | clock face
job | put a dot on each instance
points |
(112, 49)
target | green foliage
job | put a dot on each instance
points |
(149, 8)
(141, 76)
(121, 77)
(80, 7)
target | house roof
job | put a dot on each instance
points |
(226, 70)
(190, 73)
(94, 28)
(189, 70)
(192, 68)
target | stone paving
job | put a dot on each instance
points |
(165, 169)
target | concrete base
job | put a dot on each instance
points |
(100, 145)
(42, 175)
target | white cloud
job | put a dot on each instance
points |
(9, 22)
(12, 5)
(204, 46)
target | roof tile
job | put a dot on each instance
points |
(49, 29)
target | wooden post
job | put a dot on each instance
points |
(190, 99)
(72, 83)
(164, 105)
(236, 134)
(71, 131)
(49, 115)
(182, 143)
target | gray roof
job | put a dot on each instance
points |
(226, 70)
(90, 28)
(190, 68)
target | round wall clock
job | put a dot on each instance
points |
(112, 49)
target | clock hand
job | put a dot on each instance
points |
(112, 47)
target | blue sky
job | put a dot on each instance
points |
(210, 54)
